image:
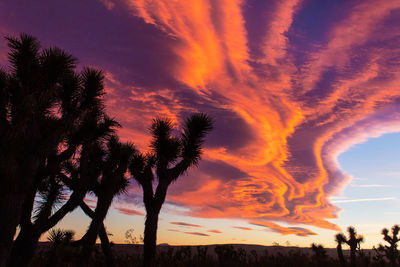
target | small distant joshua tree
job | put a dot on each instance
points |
(320, 255)
(58, 237)
(390, 251)
(130, 238)
(171, 157)
(340, 239)
(354, 241)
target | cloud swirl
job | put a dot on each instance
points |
(288, 95)
(302, 104)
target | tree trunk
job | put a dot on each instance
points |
(340, 256)
(150, 238)
(352, 257)
(103, 204)
(15, 185)
(73, 202)
(153, 206)
(24, 247)
(105, 246)
(10, 213)
(393, 255)
(105, 243)
(28, 238)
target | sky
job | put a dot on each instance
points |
(304, 95)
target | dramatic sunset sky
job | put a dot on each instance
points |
(305, 96)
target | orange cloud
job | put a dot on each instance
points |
(295, 106)
(90, 200)
(214, 231)
(127, 211)
(275, 42)
(243, 228)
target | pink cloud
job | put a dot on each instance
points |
(91, 206)
(214, 231)
(127, 211)
(186, 224)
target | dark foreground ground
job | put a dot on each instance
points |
(210, 255)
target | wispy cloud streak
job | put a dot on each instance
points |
(128, 211)
(243, 228)
(288, 95)
(214, 231)
(362, 200)
(196, 233)
(186, 224)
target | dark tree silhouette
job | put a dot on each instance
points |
(28, 93)
(58, 237)
(116, 157)
(390, 251)
(340, 239)
(105, 243)
(353, 241)
(83, 172)
(67, 116)
(170, 157)
(320, 257)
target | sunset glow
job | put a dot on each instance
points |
(291, 85)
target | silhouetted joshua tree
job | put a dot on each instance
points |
(170, 157)
(58, 237)
(105, 243)
(42, 105)
(82, 172)
(390, 252)
(354, 241)
(113, 167)
(340, 239)
(320, 256)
